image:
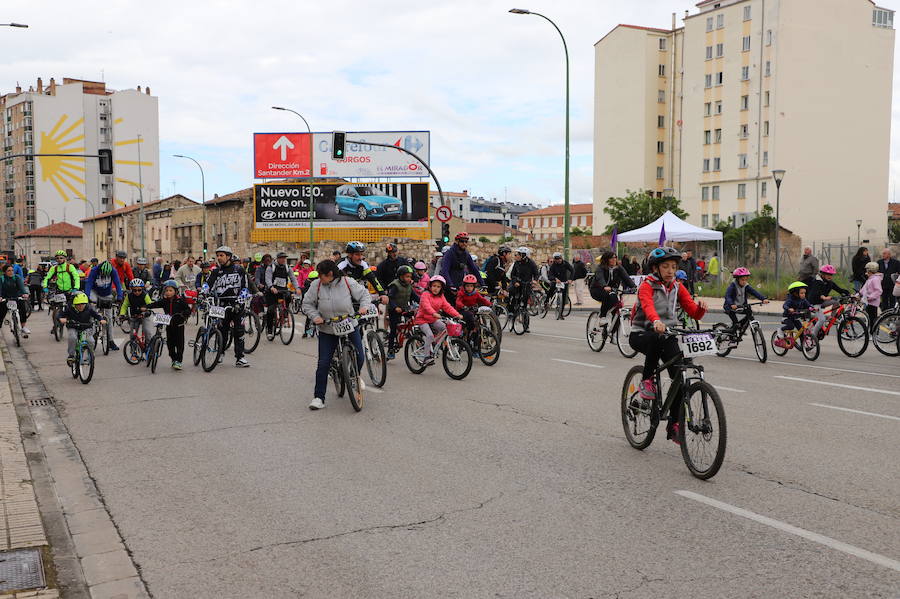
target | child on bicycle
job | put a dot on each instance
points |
(736, 294)
(178, 308)
(420, 278)
(80, 313)
(468, 301)
(794, 303)
(135, 305)
(401, 294)
(428, 317)
(656, 309)
(871, 291)
(819, 293)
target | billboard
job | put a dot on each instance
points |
(341, 205)
(280, 155)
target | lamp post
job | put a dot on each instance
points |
(778, 175)
(312, 201)
(858, 225)
(203, 195)
(566, 217)
(141, 196)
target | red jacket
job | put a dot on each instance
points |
(465, 300)
(124, 271)
(430, 307)
(653, 295)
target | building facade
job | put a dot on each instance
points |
(480, 210)
(39, 245)
(547, 223)
(75, 117)
(709, 109)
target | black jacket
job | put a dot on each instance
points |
(887, 283)
(226, 283)
(494, 272)
(562, 271)
(579, 269)
(176, 307)
(612, 277)
(386, 272)
(820, 288)
(859, 268)
(524, 271)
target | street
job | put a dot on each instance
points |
(515, 482)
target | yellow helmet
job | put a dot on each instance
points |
(80, 299)
(597, 260)
(313, 274)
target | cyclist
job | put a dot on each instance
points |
(420, 277)
(608, 278)
(135, 304)
(257, 273)
(12, 287)
(468, 300)
(736, 294)
(330, 295)
(302, 272)
(522, 277)
(63, 275)
(495, 269)
(307, 326)
(428, 317)
(275, 279)
(387, 270)
(256, 263)
(123, 269)
(357, 269)
(656, 308)
(176, 307)
(401, 293)
(795, 302)
(99, 286)
(819, 294)
(457, 263)
(141, 271)
(79, 312)
(227, 283)
(203, 277)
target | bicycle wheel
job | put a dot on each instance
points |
(252, 333)
(566, 305)
(211, 350)
(535, 302)
(196, 315)
(853, 336)
(125, 325)
(351, 376)
(60, 333)
(809, 345)
(86, 364)
(15, 329)
(457, 358)
(778, 351)
(57, 330)
(885, 333)
(286, 324)
(132, 351)
(296, 305)
(702, 430)
(488, 347)
(596, 335)
(520, 322)
(723, 340)
(198, 345)
(623, 337)
(490, 321)
(759, 343)
(414, 353)
(376, 358)
(637, 413)
(153, 353)
(337, 377)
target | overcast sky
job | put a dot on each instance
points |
(490, 86)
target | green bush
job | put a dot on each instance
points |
(763, 281)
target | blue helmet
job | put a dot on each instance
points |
(681, 275)
(171, 283)
(355, 246)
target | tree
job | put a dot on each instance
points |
(579, 232)
(639, 208)
(894, 232)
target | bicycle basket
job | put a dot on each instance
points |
(454, 329)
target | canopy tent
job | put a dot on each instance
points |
(676, 230)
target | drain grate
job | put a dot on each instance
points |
(40, 402)
(21, 569)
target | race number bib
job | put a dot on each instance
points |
(279, 282)
(560, 285)
(59, 298)
(344, 327)
(165, 319)
(217, 311)
(694, 345)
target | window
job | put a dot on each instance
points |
(768, 68)
(704, 220)
(883, 18)
(742, 191)
(765, 161)
(662, 70)
(745, 73)
(745, 102)
(662, 44)
(718, 136)
(766, 129)
(707, 109)
(766, 96)
(720, 50)
(715, 192)
(659, 172)
(659, 147)
(707, 80)
(717, 166)
(763, 188)
(742, 161)
(745, 43)
(719, 78)
(661, 96)
(709, 53)
(661, 121)
(769, 37)
(715, 219)
(744, 132)
(720, 21)
(709, 23)
(747, 10)
(704, 194)
(718, 106)
(706, 165)
(707, 137)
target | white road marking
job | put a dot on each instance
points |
(556, 336)
(853, 387)
(821, 405)
(875, 558)
(892, 376)
(579, 363)
(370, 389)
(729, 389)
(509, 351)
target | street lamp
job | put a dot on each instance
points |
(203, 195)
(778, 175)
(19, 25)
(858, 225)
(566, 217)
(312, 201)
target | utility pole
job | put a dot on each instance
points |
(141, 197)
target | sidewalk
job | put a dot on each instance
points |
(715, 304)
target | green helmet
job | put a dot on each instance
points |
(403, 269)
(106, 268)
(61, 253)
(313, 274)
(257, 257)
(796, 285)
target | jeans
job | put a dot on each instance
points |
(105, 313)
(607, 299)
(429, 331)
(327, 344)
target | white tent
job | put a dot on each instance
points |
(676, 230)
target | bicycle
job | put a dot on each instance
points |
(83, 363)
(136, 349)
(343, 369)
(686, 321)
(702, 418)
(105, 307)
(252, 324)
(158, 340)
(482, 339)
(886, 332)
(456, 354)
(729, 337)
(58, 301)
(209, 343)
(283, 325)
(850, 327)
(373, 344)
(12, 310)
(297, 304)
(617, 329)
(519, 312)
(802, 339)
(536, 300)
(561, 302)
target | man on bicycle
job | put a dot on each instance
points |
(99, 288)
(63, 276)
(495, 270)
(559, 271)
(456, 264)
(522, 277)
(123, 269)
(275, 280)
(357, 269)
(227, 283)
(141, 271)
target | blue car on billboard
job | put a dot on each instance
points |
(366, 202)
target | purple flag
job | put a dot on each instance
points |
(662, 235)
(615, 239)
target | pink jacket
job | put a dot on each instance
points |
(430, 307)
(302, 275)
(871, 290)
(422, 284)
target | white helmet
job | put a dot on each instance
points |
(474, 257)
(445, 249)
(523, 250)
(224, 249)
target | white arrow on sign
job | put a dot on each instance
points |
(283, 143)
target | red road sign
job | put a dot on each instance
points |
(277, 155)
(443, 213)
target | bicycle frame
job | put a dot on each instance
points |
(680, 385)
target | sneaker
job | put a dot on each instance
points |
(390, 355)
(176, 365)
(362, 384)
(113, 346)
(70, 360)
(26, 331)
(672, 433)
(317, 404)
(241, 363)
(779, 342)
(578, 303)
(648, 390)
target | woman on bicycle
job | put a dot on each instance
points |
(428, 318)
(401, 293)
(333, 295)
(176, 307)
(12, 287)
(656, 308)
(795, 302)
(736, 294)
(608, 277)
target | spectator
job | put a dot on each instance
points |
(871, 291)
(858, 266)
(689, 266)
(809, 266)
(713, 267)
(157, 271)
(336, 257)
(887, 266)
(579, 275)
(186, 275)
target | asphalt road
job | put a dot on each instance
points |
(516, 482)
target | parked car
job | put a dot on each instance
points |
(366, 202)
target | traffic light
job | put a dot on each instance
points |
(338, 143)
(106, 161)
(445, 233)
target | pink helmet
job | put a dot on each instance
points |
(439, 279)
(419, 265)
(828, 270)
(740, 272)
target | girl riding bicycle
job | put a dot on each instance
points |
(656, 309)
(468, 300)
(737, 292)
(795, 302)
(428, 318)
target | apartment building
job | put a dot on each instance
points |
(481, 210)
(547, 223)
(743, 87)
(75, 117)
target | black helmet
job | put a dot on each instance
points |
(121, 254)
(661, 254)
(504, 250)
